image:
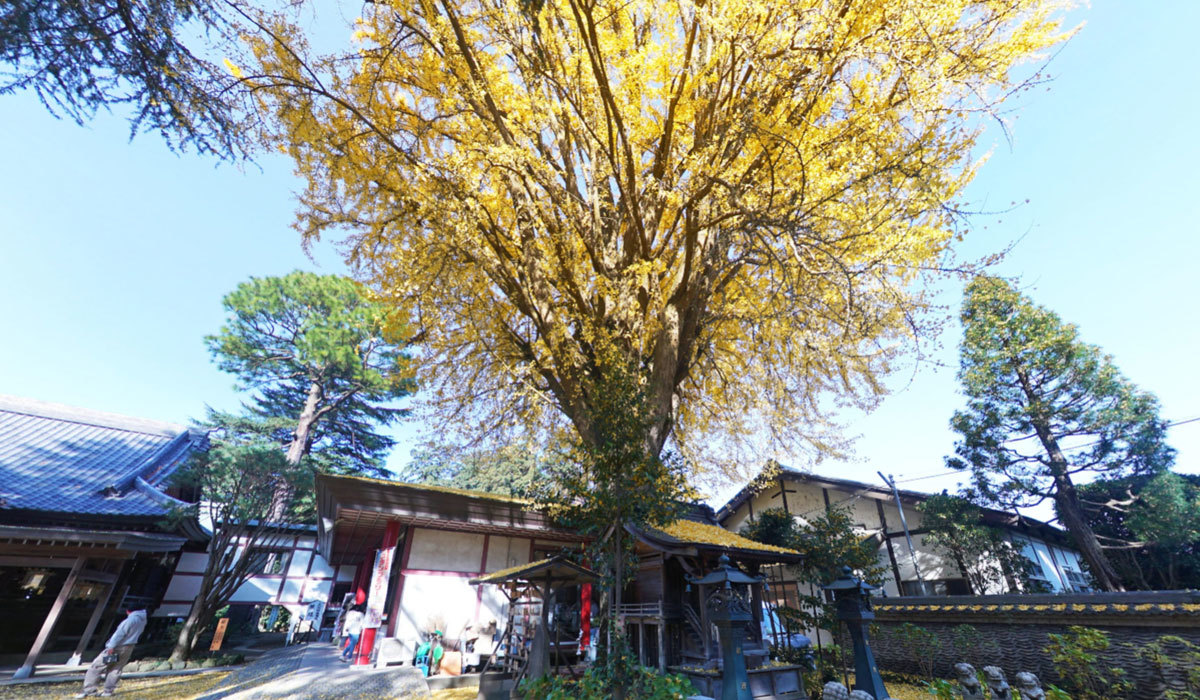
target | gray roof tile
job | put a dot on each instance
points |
(66, 460)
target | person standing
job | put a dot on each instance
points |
(353, 629)
(115, 655)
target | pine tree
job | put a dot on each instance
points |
(1043, 409)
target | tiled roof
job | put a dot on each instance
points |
(60, 459)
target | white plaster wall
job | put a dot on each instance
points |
(317, 590)
(932, 566)
(172, 610)
(505, 552)
(182, 588)
(494, 606)
(427, 597)
(805, 501)
(291, 591)
(441, 550)
(256, 590)
(192, 562)
(299, 565)
(320, 567)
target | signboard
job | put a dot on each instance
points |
(313, 614)
(377, 594)
(219, 635)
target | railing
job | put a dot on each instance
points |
(640, 610)
(693, 620)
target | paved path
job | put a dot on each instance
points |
(313, 671)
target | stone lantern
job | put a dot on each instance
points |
(853, 599)
(729, 609)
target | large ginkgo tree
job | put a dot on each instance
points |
(741, 196)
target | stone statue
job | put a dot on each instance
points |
(969, 686)
(836, 691)
(1029, 686)
(997, 683)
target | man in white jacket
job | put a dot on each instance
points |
(115, 655)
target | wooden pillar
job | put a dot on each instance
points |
(641, 628)
(43, 636)
(662, 646)
(101, 605)
(891, 550)
(539, 653)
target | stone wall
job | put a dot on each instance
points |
(1012, 631)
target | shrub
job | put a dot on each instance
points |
(1076, 659)
(921, 645)
(1177, 662)
(941, 689)
(644, 684)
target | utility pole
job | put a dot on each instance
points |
(891, 481)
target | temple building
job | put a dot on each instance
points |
(875, 510)
(83, 500)
(432, 559)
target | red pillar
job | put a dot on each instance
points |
(367, 644)
(362, 577)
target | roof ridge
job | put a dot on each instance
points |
(85, 416)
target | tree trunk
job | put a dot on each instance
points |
(192, 629)
(1067, 499)
(304, 425)
(618, 687)
(1089, 545)
(301, 437)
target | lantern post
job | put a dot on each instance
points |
(853, 599)
(729, 608)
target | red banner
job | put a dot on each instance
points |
(377, 593)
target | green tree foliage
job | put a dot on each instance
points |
(1044, 407)
(982, 553)
(1077, 658)
(519, 470)
(611, 482)
(79, 56)
(1177, 663)
(828, 542)
(643, 684)
(238, 481)
(313, 349)
(920, 645)
(1151, 524)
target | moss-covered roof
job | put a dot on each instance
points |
(694, 532)
(432, 488)
(556, 567)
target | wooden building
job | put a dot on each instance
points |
(875, 512)
(419, 548)
(83, 497)
(665, 616)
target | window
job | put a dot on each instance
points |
(1078, 580)
(947, 586)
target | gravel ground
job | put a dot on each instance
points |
(160, 688)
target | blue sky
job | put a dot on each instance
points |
(114, 255)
